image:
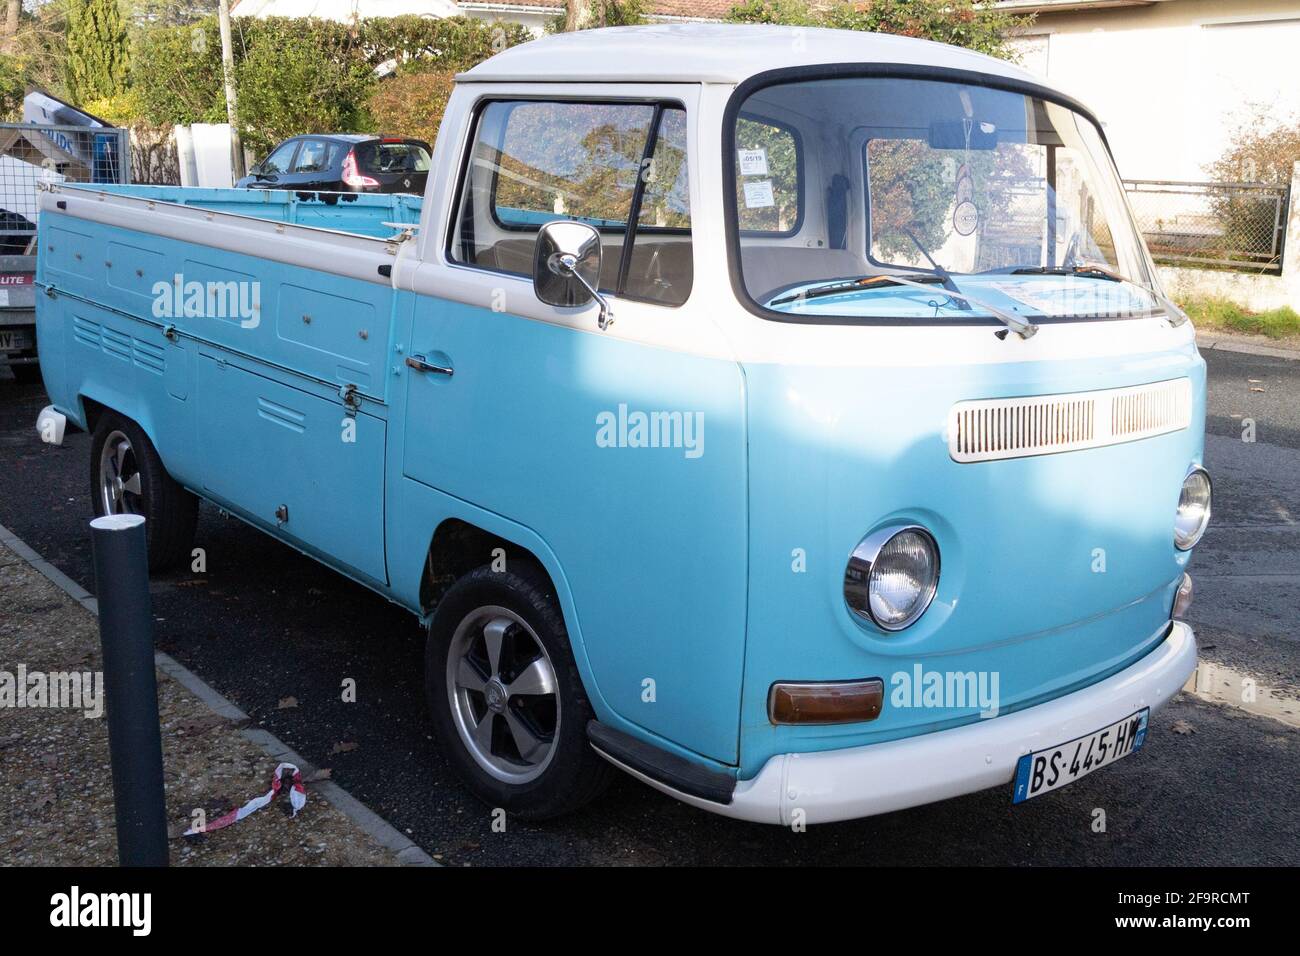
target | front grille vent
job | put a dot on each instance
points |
(998, 428)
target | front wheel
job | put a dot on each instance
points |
(505, 696)
(128, 477)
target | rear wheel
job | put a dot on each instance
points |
(128, 477)
(506, 699)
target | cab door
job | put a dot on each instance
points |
(625, 455)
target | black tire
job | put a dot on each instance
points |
(26, 374)
(575, 774)
(169, 510)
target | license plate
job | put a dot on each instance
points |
(1043, 771)
(15, 339)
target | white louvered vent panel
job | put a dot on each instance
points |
(992, 429)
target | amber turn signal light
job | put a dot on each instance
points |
(1183, 599)
(834, 702)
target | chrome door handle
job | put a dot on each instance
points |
(418, 363)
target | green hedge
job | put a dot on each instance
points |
(299, 75)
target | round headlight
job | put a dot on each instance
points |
(1193, 509)
(892, 576)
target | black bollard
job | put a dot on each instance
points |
(130, 688)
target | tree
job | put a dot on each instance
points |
(301, 76)
(307, 75)
(13, 12)
(182, 65)
(593, 14)
(575, 14)
(35, 55)
(1264, 148)
(12, 83)
(411, 104)
(98, 55)
(975, 24)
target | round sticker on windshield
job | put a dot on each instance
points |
(965, 218)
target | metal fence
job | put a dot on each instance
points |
(32, 153)
(1228, 225)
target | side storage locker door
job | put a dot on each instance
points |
(295, 462)
(279, 443)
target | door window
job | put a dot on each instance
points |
(620, 167)
(313, 157)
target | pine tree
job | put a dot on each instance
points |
(97, 50)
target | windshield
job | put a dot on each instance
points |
(995, 200)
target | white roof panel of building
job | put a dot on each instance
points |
(344, 11)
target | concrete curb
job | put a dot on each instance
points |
(375, 826)
(1220, 343)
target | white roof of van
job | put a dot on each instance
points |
(713, 53)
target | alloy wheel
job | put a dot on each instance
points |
(503, 693)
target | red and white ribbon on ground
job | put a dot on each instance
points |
(297, 800)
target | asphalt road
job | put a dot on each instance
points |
(1214, 785)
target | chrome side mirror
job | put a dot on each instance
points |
(566, 267)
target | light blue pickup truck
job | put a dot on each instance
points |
(791, 419)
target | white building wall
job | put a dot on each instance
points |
(344, 11)
(1172, 79)
(535, 18)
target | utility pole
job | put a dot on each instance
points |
(228, 72)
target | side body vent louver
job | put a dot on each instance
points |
(998, 428)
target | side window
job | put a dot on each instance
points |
(278, 161)
(534, 162)
(312, 157)
(768, 187)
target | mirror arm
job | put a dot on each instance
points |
(606, 317)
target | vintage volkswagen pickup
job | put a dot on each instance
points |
(790, 418)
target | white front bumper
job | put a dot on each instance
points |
(861, 781)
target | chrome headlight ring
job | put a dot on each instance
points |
(892, 576)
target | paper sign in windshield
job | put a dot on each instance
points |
(759, 195)
(753, 162)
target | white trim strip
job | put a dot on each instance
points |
(310, 247)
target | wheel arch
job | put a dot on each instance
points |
(94, 402)
(458, 547)
(464, 538)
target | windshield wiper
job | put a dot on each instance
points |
(939, 270)
(1013, 322)
(1089, 270)
(838, 286)
(1093, 270)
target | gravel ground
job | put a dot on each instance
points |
(56, 788)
